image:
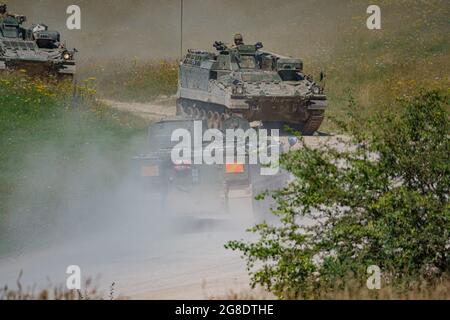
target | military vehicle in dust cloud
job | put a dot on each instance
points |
(248, 83)
(37, 50)
(201, 191)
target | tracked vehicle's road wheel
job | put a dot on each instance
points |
(209, 119)
(203, 115)
(180, 109)
(214, 119)
(197, 114)
(216, 116)
(314, 122)
(190, 111)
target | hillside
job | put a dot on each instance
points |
(374, 67)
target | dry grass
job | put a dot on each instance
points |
(53, 292)
(440, 290)
(134, 80)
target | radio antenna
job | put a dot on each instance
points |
(181, 29)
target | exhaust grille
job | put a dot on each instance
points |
(19, 45)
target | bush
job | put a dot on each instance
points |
(381, 200)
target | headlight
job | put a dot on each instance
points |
(66, 56)
(316, 89)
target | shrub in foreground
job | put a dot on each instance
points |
(380, 200)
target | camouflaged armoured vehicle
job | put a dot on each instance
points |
(36, 50)
(248, 83)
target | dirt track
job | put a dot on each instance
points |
(154, 111)
(145, 256)
(167, 266)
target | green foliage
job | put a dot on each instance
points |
(379, 198)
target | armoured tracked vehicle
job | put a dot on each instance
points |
(36, 50)
(248, 83)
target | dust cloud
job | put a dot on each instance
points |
(150, 29)
(88, 207)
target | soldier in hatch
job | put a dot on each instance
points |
(238, 40)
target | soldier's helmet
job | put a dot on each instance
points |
(238, 39)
